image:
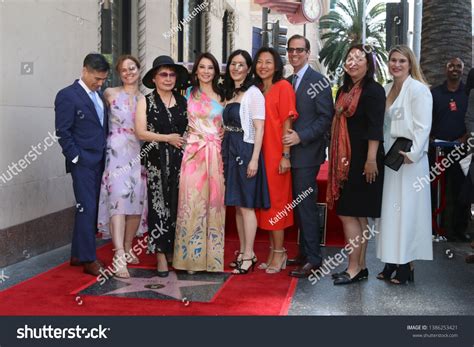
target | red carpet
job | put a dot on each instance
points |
(50, 293)
(258, 293)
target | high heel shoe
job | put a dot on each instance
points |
(403, 275)
(387, 272)
(238, 259)
(239, 270)
(264, 266)
(282, 266)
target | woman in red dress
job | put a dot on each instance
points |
(280, 109)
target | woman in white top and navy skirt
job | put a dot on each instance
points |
(244, 171)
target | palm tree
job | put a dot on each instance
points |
(344, 28)
(446, 33)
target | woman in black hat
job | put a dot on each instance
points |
(161, 121)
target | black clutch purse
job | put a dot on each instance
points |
(393, 159)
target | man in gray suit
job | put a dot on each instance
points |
(308, 141)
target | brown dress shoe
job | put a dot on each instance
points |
(305, 270)
(74, 261)
(299, 260)
(470, 259)
(92, 268)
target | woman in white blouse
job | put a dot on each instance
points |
(405, 223)
(244, 171)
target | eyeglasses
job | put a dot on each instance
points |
(297, 50)
(167, 74)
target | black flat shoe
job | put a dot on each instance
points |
(346, 278)
(387, 272)
(365, 273)
(162, 273)
(338, 274)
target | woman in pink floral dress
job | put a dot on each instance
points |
(199, 242)
(123, 190)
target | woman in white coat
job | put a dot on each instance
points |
(405, 223)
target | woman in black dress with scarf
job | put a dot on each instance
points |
(161, 122)
(356, 168)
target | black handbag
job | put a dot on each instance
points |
(393, 159)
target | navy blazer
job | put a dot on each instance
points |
(315, 107)
(78, 127)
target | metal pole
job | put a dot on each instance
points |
(264, 27)
(364, 21)
(418, 13)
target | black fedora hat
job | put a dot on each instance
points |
(164, 60)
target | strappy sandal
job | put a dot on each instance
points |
(282, 266)
(238, 259)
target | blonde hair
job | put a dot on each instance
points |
(415, 69)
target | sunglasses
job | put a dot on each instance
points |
(297, 50)
(167, 74)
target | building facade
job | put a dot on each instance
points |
(43, 45)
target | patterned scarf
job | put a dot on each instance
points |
(340, 148)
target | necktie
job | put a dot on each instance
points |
(293, 81)
(99, 110)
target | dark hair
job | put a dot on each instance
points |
(298, 37)
(229, 85)
(124, 57)
(97, 62)
(215, 81)
(469, 81)
(278, 75)
(369, 75)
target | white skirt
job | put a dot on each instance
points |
(405, 222)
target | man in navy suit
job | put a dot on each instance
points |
(308, 141)
(81, 125)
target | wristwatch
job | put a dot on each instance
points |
(285, 155)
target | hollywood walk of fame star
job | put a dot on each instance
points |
(169, 286)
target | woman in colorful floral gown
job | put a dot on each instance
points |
(199, 243)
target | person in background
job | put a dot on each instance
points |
(123, 189)
(449, 110)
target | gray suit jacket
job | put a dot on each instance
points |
(315, 108)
